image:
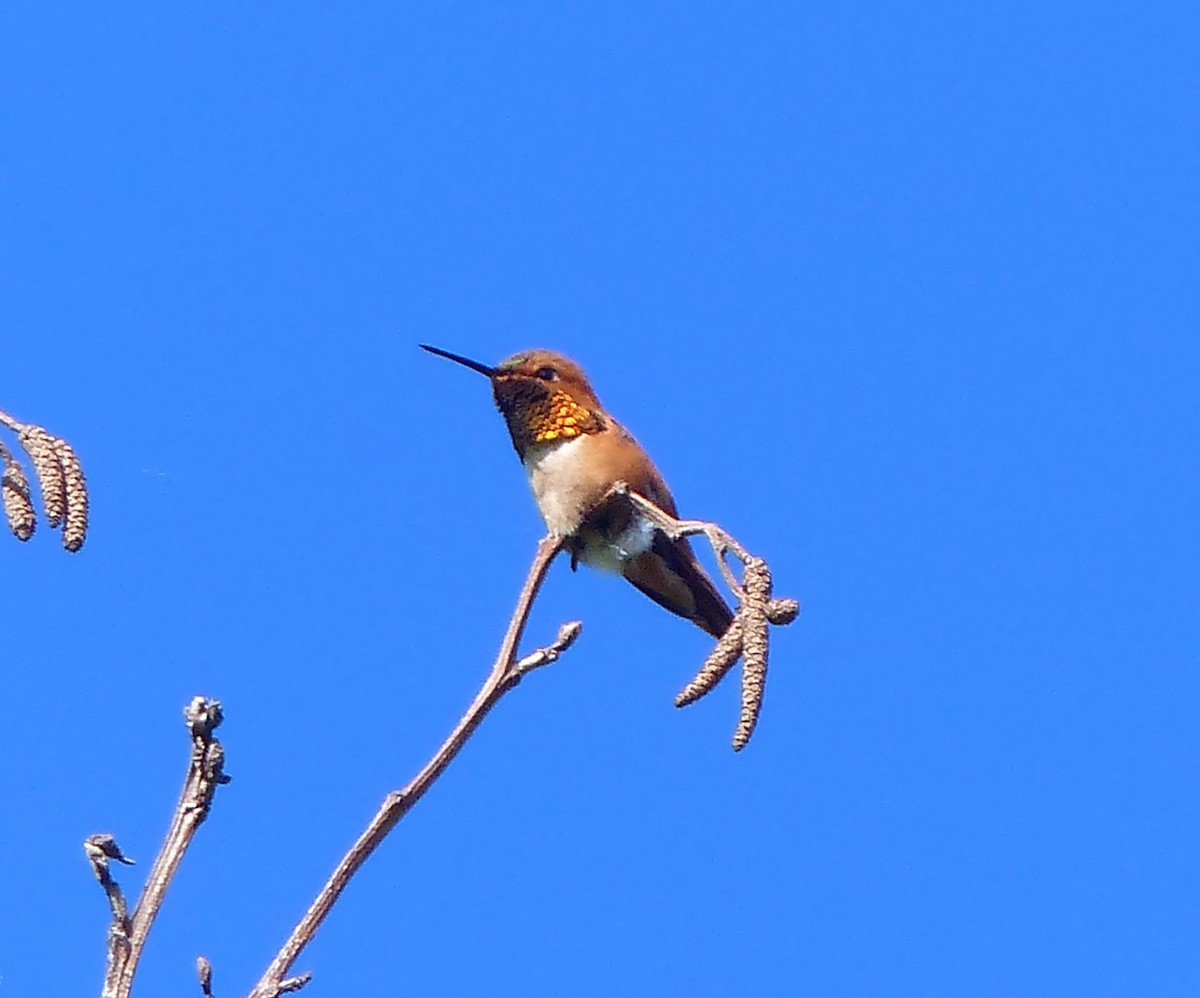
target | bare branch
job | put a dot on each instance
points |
(545, 656)
(506, 673)
(127, 937)
(100, 849)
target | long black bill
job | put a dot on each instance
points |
(474, 365)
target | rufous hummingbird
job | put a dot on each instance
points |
(574, 453)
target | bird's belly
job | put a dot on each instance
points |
(610, 552)
(567, 488)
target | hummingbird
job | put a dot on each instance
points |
(574, 452)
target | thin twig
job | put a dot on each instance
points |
(205, 774)
(722, 542)
(100, 849)
(11, 422)
(506, 673)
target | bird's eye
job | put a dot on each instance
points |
(546, 374)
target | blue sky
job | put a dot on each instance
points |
(902, 295)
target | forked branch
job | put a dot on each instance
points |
(506, 673)
(127, 934)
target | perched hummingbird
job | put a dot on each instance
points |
(574, 452)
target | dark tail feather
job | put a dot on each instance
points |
(670, 575)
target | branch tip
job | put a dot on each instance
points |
(567, 634)
(103, 847)
(203, 716)
(545, 656)
(293, 983)
(204, 972)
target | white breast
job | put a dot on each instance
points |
(551, 468)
